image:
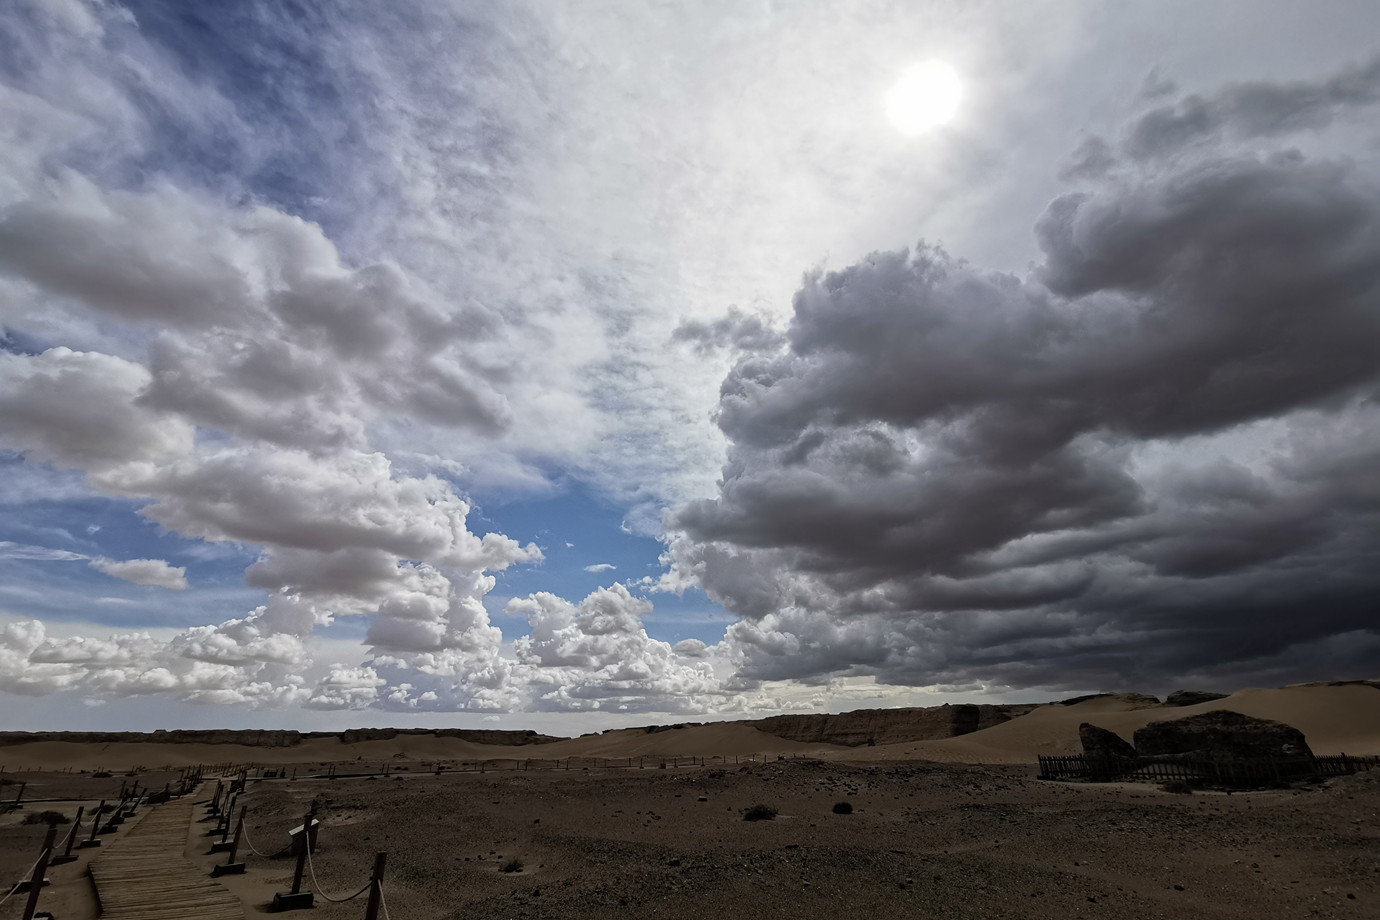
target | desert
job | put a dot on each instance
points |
(654, 821)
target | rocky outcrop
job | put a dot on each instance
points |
(1104, 743)
(1133, 700)
(1221, 733)
(252, 737)
(269, 738)
(889, 726)
(1192, 697)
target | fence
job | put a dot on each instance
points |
(104, 819)
(1221, 772)
(221, 810)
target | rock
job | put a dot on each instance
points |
(1221, 733)
(889, 726)
(1192, 697)
(274, 737)
(1101, 742)
(1132, 700)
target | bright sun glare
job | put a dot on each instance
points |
(925, 96)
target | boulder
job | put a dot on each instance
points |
(1192, 697)
(1221, 733)
(1101, 742)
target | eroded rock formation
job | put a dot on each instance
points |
(889, 726)
(1221, 733)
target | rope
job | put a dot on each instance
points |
(307, 844)
(383, 903)
(71, 835)
(29, 872)
(244, 829)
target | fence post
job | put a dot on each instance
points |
(297, 898)
(36, 883)
(67, 856)
(95, 826)
(231, 867)
(302, 845)
(375, 887)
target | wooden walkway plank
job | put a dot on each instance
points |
(144, 876)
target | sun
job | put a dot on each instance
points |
(925, 96)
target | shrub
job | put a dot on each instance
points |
(1177, 786)
(512, 865)
(46, 817)
(759, 812)
(843, 808)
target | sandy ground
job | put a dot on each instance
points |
(924, 840)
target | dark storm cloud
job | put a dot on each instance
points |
(1151, 458)
(1253, 109)
(735, 331)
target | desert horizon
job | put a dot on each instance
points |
(732, 458)
(938, 812)
(1337, 717)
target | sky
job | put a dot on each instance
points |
(567, 365)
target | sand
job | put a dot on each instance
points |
(976, 836)
(923, 840)
(1335, 720)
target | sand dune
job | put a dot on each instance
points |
(1335, 719)
(730, 738)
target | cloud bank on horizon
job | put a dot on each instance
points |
(303, 292)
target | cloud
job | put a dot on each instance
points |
(79, 410)
(346, 688)
(597, 655)
(153, 572)
(1256, 109)
(1138, 462)
(601, 567)
(253, 661)
(735, 331)
(12, 550)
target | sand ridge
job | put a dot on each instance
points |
(1335, 719)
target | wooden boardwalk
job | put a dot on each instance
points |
(144, 876)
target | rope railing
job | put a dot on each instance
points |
(249, 843)
(28, 872)
(317, 885)
(72, 834)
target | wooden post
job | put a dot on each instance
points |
(375, 887)
(36, 883)
(239, 829)
(302, 853)
(67, 856)
(229, 812)
(20, 797)
(230, 867)
(95, 826)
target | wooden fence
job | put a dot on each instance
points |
(1219, 772)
